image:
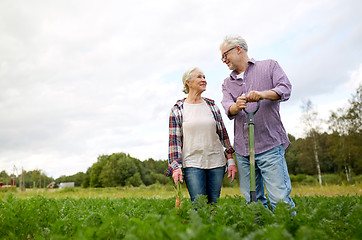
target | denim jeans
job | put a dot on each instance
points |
(204, 182)
(270, 167)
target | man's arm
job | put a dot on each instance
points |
(255, 96)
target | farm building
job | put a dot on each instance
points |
(66, 185)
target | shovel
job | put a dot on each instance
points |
(252, 152)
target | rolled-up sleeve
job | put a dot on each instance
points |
(281, 83)
(227, 101)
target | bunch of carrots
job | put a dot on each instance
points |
(178, 196)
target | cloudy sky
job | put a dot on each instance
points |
(79, 79)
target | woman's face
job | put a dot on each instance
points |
(197, 82)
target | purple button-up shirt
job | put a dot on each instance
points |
(269, 131)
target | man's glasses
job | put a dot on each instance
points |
(225, 53)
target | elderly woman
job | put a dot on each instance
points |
(197, 137)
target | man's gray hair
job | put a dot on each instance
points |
(233, 41)
(187, 77)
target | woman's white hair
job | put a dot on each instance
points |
(187, 77)
(233, 41)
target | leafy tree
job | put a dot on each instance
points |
(346, 124)
(327, 163)
(86, 178)
(76, 178)
(305, 157)
(127, 168)
(135, 180)
(291, 155)
(153, 171)
(110, 175)
(160, 178)
(36, 178)
(312, 129)
(4, 177)
(97, 168)
(113, 170)
(156, 166)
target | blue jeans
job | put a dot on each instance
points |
(204, 182)
(270, 167)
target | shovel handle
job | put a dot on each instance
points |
(252, 152)
(256, 109)
(251, 114)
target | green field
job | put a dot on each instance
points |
(167, 191)
(149, 213)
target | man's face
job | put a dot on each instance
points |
(229, 55)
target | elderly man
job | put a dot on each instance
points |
(251, 81)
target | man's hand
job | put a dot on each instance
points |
(254, 96)
(177, 176)
(239, 105)
(232, 170)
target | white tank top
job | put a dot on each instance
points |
(201, 144)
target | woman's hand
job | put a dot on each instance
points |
(232, 170)
(177, 176)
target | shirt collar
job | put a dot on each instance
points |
(180, 103)
(233, 74)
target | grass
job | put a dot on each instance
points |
(327, 190)
(161, 191)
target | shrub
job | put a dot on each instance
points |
(8, 189)
(356, 179)
(134, 181)
(331, 179)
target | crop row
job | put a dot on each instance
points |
(140, 218)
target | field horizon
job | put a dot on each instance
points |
(167, 191)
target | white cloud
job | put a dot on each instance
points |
(355, 79)
(83, 78)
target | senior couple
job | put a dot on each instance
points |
(199, 146)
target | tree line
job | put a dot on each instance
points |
(115, 170)
(337, 152)
(120, 169)
(31, 179)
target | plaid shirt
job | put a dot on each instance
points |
(176, 138)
